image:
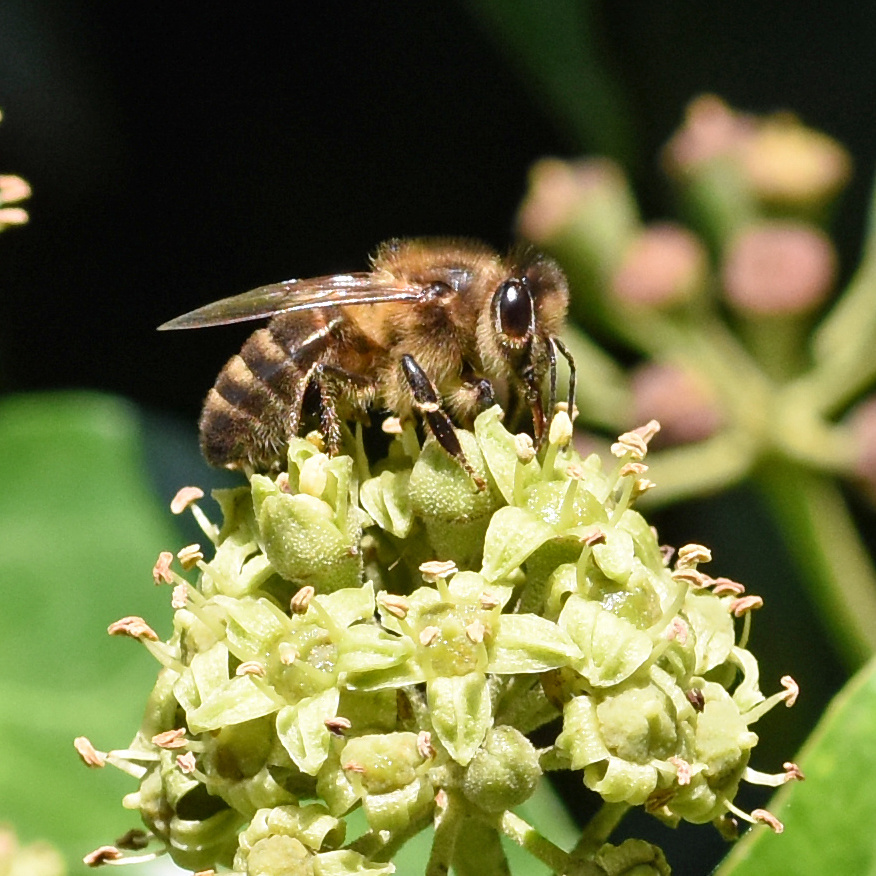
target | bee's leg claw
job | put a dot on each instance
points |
(427, 403)
(484, 393)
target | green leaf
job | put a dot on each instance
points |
(825, 817)
(79, 533)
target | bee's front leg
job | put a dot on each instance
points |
(428, 404)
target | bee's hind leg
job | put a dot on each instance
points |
(428, 404)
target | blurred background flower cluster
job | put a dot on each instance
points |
(718, 246)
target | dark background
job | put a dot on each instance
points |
(180, 153)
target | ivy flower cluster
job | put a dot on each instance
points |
(384, 639)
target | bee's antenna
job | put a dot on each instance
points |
(554, 345)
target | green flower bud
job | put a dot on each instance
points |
(632, 857)
(311, 537)
(388, 773)
(504, 772)
(620, 739)
(287, 840)
(722, 747)
(198, 829)
(444, 496)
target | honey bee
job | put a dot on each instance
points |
(432, 330)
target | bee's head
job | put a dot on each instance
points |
(528, 307)
(526, 313)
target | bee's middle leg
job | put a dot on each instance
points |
(329, 380)
(428, 404)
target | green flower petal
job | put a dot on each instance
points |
(302, 730)
(459, 707)
(500, 453)
(387, 499)
(613, 648)
(529, 643)
(513, 534)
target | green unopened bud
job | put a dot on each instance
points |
(632, 857)
(455, 512)
(504, 773)
(287, 840)
(388, 772)
(311, 539)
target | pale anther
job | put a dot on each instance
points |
(184, 498)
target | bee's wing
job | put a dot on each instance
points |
(365, 287)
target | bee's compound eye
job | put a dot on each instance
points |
(513, 310)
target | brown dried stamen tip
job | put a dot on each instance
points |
(88, 753)
(397, 606)
(683, 769)
(428, 636)
(251, 667)
(102, 856)
(134, 840)
(793, 773)
(180, 598)
(574, 471)
(132, 626)
(282, 482)
(205, 873)
(354, 767)
(678, 630)
(667, 551)
(391, 426)
(658, 800)
(691, 577)
(642, 485)
(441, 799)
(171, 739)
(792, 688)
(338, 726)
(696, 698)
(597, 536)
(629, 444)
(768, 819)
(691, 554)
(288, 654)
(723, 586)
(475, 632)
(424, 745)
(433, 570)
(745, 604)
(648, 431)
(186, 762)
(161, 569)
(489, 600)
(184, 498)
(190, 556)
(633, 468)
(524, 448)
(301, 600)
